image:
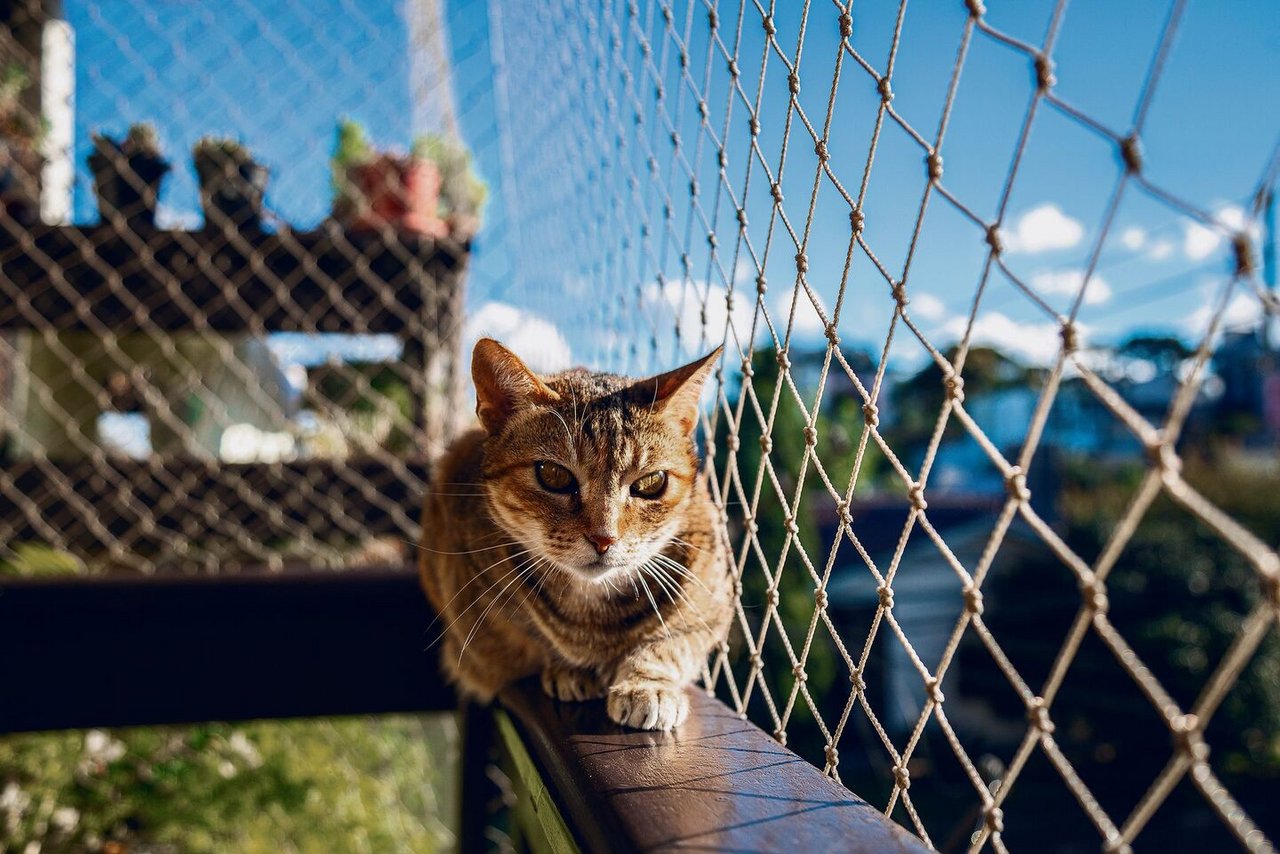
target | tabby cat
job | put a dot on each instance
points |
(571, 535)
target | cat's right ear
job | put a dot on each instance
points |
(503, 384)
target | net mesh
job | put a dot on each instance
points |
(666, 177)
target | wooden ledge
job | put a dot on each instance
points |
(717, 784)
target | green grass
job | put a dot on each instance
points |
(344, 784)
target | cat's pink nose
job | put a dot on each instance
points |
(601, 542)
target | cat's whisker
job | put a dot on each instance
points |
(684, 597)
(525, 568)
(478, 598)
(421, 547)
(681, 570)
(654, 603)
(687, 544)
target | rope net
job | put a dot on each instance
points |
(691, 174)
(1004, 580)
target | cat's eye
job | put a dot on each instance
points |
(554, 477)
(651, 485)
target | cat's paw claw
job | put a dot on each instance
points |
(648, 705)
(571, 685)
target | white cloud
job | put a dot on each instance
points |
(684, 302)
(169, 217)
(1160, 250)
(1243, 311)
(927, 307)
(534, 339)
(1032, 343)
(1042, 229)
(1133, 238)
(1199, 241)
(1067, 282)
(807, 324)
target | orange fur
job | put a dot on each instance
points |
(603, 592)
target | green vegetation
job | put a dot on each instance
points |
(373, 785)
(462, 192)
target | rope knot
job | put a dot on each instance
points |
(756, 661)
(993, 239)
(793, 83)
(820, 149)
(954, 385)
(871, 414)
(973, 600)
(775, 190)
(712, 241)
(762, 284)
(1242, 248)
(780, 736)
(833, 755)
(1038, 716)
(934, 162)
(885, 594)
(791, 526)
(993, 818)
(1016, 484)
(842, 512)
(1095, 596)
(755, 126)
(722, 157)
(820, 597)
(703, 112)
(846, 25)
(769, 27)
(737, 587)
(1070, 338)
(855, 679)
(802, 263)
(771, 597)
(1044, 73)
(885, 88)
(733, 69)
(811, 435)
(976, 9)
(742, 217)
(833, 337)
(713, 19)
(1131, 154)
(917, 497)
(766, 444)
(798, 672)
(857, 220)
(933, 687)
(747, 370)
(734, 443)
(901, 777)
(1187, 737)
(900, 294)
(784, 361)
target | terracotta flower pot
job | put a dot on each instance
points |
(128, 186)
(403, 193)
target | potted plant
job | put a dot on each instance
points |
(374, 189)
(462, 192)
(127, 175)
(232, 184)
(20, 160)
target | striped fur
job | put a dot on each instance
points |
(507, 564)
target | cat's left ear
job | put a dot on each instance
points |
(503, 384)
(676, 393)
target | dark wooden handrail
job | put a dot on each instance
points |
(97, 652)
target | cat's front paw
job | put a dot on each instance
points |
(571, 684)
(647, 704)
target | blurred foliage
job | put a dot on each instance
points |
(31, 560)
(840, 426)
(462, 192)
(376, 785)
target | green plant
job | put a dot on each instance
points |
(351, 147)
(213, 156)
(462, 191)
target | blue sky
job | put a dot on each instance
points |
(277, 74)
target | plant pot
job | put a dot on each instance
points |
(128, 187)
(232, 192)
(402, 193)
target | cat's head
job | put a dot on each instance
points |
(592, 472)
